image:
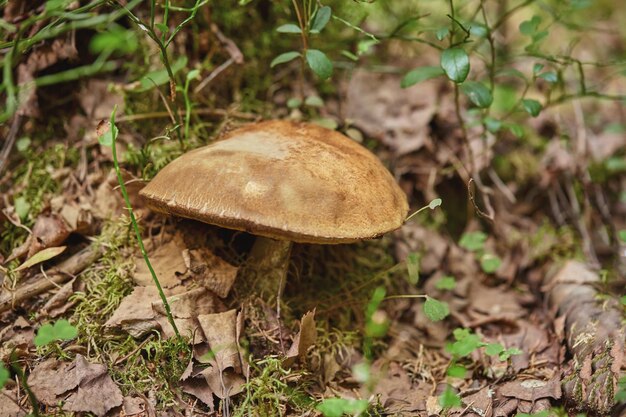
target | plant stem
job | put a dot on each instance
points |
(144, 253)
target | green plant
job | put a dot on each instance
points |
(475, 242)
(267, 393)
(108, 138)
(464, 345)
(163, 41)
(312, 19)
(60, 330)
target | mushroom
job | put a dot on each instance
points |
(283, 182)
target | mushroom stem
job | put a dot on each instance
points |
(269, 261)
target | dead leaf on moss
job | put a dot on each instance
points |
(224, 374)
(303, 340)
(186, 308)
(134, 314)
(168, 264)
(96, 392)
(92, 389)
(211, 271)
(199, 388)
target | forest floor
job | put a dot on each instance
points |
(507, 299)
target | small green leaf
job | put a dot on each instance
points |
(162, 27)
(41, 256)
(441, 33)
(327, 122)
(622, 235)
(490, 263)
(23, 143)
(473, 241)
(529, 27)
(494, 349)
(478, 30)
(549, 76)
(505, 355)
(537, 68)
(446, 283)
(337, 407)
(466, 343)
(193, 74)
(107, 138)
(364, 46)
(22, 207)
(420, 74)
(319, 63)
(289, 28)
(413, 267)
(449, 398)
(160, 77)
(515, 129)
(457, 371)
(115, 39)
(294, 103)
(493, 125)
(532, 107)
(4, 375)
(61, 330)
(435, 310)
(478, 93)
(623, 300)
(455, 63)
(314, 101)
(283, 58)
(321, 19)
(434, 203)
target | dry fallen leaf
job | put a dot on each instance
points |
(224, 373)
(303, 340)
(134, 314)
(212, 272)
(396, 116)
(41, 256)
(167, 261)
(81, 386)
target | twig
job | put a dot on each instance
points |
(10, 140)
(56, 275)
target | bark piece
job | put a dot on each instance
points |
(594, 336)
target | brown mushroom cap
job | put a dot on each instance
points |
(283, 180)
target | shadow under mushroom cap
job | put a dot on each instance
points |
(283, 180)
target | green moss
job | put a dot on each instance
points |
(274, 391)
(33, 182)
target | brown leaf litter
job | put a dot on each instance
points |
(80, 385)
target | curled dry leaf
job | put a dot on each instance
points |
(224, 374)
(303, 340)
